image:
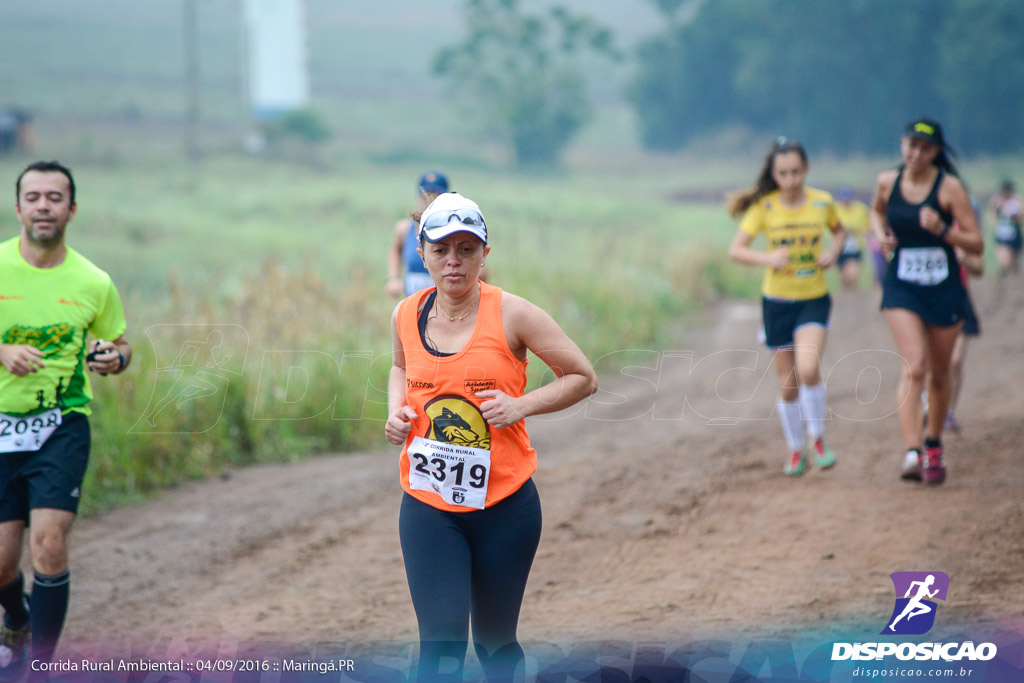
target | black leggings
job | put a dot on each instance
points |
(462, 563)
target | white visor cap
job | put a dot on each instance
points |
(450, 213)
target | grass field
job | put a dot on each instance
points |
(282, 257)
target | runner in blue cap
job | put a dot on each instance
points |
(406, 272)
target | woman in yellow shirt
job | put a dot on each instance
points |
(795, 302)
(856, 219)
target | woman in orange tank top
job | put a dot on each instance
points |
(470, 517)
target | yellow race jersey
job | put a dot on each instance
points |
(802, 230)
(855, 217)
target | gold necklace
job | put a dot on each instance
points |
(456, 317)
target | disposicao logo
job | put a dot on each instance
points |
(914, 614)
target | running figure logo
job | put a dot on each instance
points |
(190, 392)
(914, 613)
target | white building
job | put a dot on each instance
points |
(276, 52)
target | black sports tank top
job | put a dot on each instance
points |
(913, 266)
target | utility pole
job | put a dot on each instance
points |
(192, 93)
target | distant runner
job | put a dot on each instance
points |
(795, 302)
(406, 272)
(1009, 211)
(971, 265)
(854, 217)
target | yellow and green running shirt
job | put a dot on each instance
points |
(801, 229)
(53, 309)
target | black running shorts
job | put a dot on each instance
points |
(848, 256)
(782, 317)
(48, 478)
(942, 305)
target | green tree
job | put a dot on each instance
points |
(843, 77)
(525, 75)
(983, 60)
(839, 76)
(304, 125)
(682, 86)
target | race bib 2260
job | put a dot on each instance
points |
(923, 265)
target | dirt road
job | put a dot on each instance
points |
(666, 514)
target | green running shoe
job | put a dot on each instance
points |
(823, 455)
(796, 464)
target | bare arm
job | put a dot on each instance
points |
(108, 360)
(953, 197)
(529, 327)
(394, 286)
(400, 414)
(974, 263)
(741, 252)
(21, 359)
(879, 205)
(829, 256)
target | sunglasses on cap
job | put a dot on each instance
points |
(468, 217)
(784, 144)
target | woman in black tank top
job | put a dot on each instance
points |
(923, 298)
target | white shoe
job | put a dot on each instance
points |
(912, 465)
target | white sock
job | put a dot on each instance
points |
(792, 424)
(812, 403)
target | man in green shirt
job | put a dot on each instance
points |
(51, 299)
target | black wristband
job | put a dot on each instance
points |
(945, 230)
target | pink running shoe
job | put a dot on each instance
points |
(935, 465)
